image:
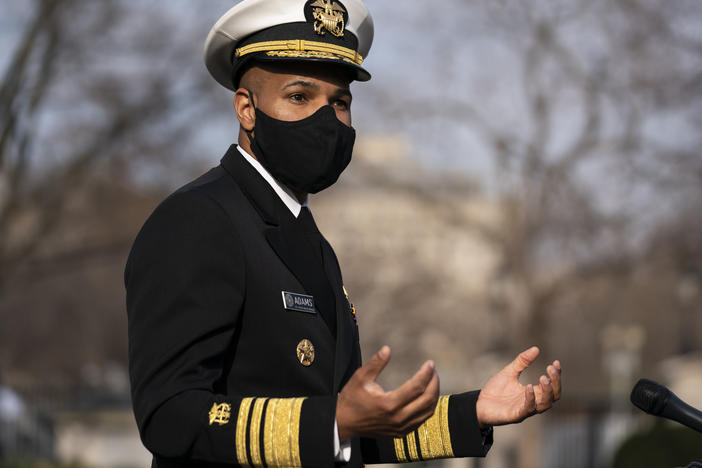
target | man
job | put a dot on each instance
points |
(243, 345)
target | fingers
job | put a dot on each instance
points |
(377, 363)
(554, 373)
(420, 409)
(524, 360)
(545, 399)
(549, 390)
(529, 400)
(415, 386)
(364, 408)
(426, 402)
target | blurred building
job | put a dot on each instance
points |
(411, 245)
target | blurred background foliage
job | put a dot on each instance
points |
(660, 446)
(526, 173)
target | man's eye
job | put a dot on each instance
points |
(297, 97)
(341, 104)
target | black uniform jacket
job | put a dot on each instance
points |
(213, 351)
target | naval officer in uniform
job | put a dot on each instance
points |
(243, 344)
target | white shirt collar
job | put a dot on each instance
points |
(283, 192)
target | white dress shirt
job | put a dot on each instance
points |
(342, 449)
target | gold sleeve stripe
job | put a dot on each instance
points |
(281, 436)
(241, 423)
(423, 436)
(268, 434)
(412, 447)
(444, 424)
(255, 432)
(430, 436)
(295, 412)
(300, 45)
(400, 450)
(434, 435)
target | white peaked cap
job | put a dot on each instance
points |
(289, 30)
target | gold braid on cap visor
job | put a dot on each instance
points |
(303, 49)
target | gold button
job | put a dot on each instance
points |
(305, 352)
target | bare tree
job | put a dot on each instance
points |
(99, 103)
(85, 88)
(579, 173)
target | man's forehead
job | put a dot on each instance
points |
(302, 73)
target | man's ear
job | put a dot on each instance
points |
(244, 108)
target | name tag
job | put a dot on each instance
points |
(298, 302)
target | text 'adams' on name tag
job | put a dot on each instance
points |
(298, 302)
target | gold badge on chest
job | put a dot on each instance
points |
(305, 352)
(329, 16)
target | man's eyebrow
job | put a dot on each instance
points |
(314, 86)
(303, 83)
(343, 92)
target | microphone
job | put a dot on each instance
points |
(653, 398)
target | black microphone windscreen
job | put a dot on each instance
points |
(651, 397)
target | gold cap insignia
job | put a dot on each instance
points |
(305, 352)
(329, 16)
(220, 413)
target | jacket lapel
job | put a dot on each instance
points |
(344, 345)
(279, 231)
(272, 210)
(255, 188)
(286, 241)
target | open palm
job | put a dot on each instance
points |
(503, 400)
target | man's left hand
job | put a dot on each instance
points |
(503, 400)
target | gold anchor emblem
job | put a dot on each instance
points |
(330, 16)
(220, 413)
(305, 352)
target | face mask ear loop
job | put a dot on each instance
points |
(249, 132)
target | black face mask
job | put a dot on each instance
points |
(306, 155)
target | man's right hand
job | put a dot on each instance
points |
(365, 409)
